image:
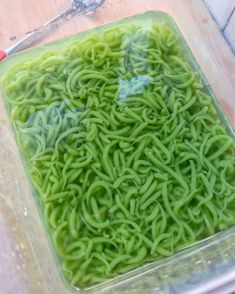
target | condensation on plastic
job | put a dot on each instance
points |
(197, 269)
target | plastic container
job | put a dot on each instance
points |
(195, 267)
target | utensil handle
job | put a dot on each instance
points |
(3, 55)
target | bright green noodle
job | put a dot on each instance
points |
(124, 149)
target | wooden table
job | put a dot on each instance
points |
(26, 262)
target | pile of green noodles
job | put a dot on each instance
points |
(124, 149)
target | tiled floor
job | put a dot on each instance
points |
(223, 12)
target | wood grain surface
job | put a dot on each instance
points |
(26, 262)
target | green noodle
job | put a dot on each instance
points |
(124, 149)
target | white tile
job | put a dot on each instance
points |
(229, 32)
(221, 10)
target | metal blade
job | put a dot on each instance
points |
(78, 8)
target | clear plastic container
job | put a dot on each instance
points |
(198, 268)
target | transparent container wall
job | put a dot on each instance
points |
(201, 268)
